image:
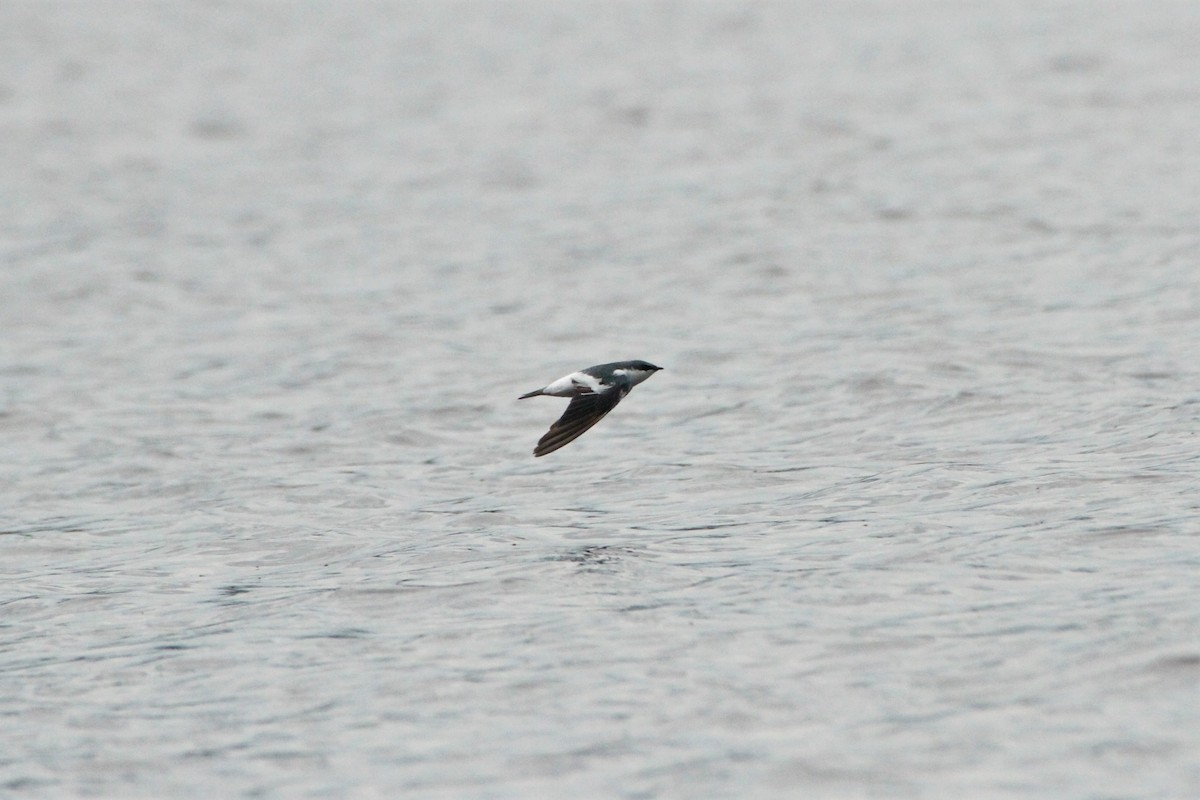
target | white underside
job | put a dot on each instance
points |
(568, 385)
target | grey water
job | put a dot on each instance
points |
(912, 510)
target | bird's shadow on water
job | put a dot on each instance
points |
(598, 557)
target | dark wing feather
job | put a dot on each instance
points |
(582, 413)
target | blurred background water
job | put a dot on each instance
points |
(911, 512)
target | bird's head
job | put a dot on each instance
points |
(643, 366)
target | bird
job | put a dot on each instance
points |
(594, 392)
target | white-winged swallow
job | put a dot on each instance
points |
(594, 392)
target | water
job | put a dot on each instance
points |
(911, 512)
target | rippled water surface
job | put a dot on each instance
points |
(911, 512)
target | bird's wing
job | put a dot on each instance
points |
(582, 413)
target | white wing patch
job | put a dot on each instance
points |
(586, 383)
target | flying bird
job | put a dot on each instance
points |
(594, 392)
